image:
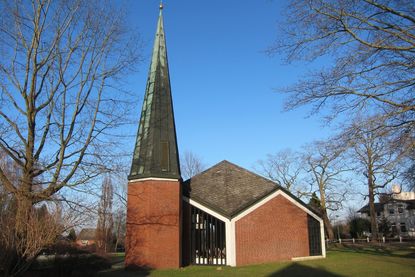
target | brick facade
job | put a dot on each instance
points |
(274, 231)
(153, 224)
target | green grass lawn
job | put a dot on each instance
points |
(342, 261)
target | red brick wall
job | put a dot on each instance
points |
(275, 231)
(153, 224)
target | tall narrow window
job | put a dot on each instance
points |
(314, 236)
(207, 239)
(165, 159)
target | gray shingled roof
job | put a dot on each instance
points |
(379, 206)
(365, 209)
(229, 189)
(87, 234)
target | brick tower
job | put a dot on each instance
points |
(154, 188)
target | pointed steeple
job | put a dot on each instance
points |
(156, 152)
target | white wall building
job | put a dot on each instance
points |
(399, 211)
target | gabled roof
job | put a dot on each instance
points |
(87, 234)
(229, 189)
(365, 209)
(155, 153)
(379, 206)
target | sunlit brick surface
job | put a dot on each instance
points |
(153, 224)
(275, 231)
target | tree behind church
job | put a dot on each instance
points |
(315, 202)
(286, 169)
(104, 231)
(325, 167)
(190, 165)
(377, 158)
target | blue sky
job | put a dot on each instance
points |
(224, 86)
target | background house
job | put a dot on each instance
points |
(87, 237)
(398, 210)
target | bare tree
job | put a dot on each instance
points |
(59, 68)
(285, 168)
(409, 173)
(105, 222)
(47, 221)
(120, 207)
(43, 229)
(44, 225)
(120, 218)
(325, 166)
(377, 157)
(120, 190)
(372, 46)
(191, 164)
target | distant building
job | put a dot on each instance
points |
(399, 210)
(402, 195)
(87, 237)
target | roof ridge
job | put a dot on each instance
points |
(207, 169)
(237, 166)
(232, 188)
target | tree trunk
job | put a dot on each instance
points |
(372, 210)
(327, 225)
(117, 238)
(17, 261)
(24, 208)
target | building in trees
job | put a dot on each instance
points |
(398, 210)
(215, 217)
(87, 237)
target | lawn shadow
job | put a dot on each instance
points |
(297, 269)
(121, 271)
(77, 265)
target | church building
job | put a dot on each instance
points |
(225, 215)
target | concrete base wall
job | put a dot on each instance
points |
(153, 238)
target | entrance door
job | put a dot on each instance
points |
(208, 240)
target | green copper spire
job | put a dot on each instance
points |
(155, 153)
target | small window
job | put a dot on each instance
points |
(164, 159)
(391, 211)
(377, 213)
(393, 228)
(403, 227)
(400, 210)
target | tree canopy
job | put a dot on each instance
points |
(372, 48)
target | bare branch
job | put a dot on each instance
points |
(372, 48)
